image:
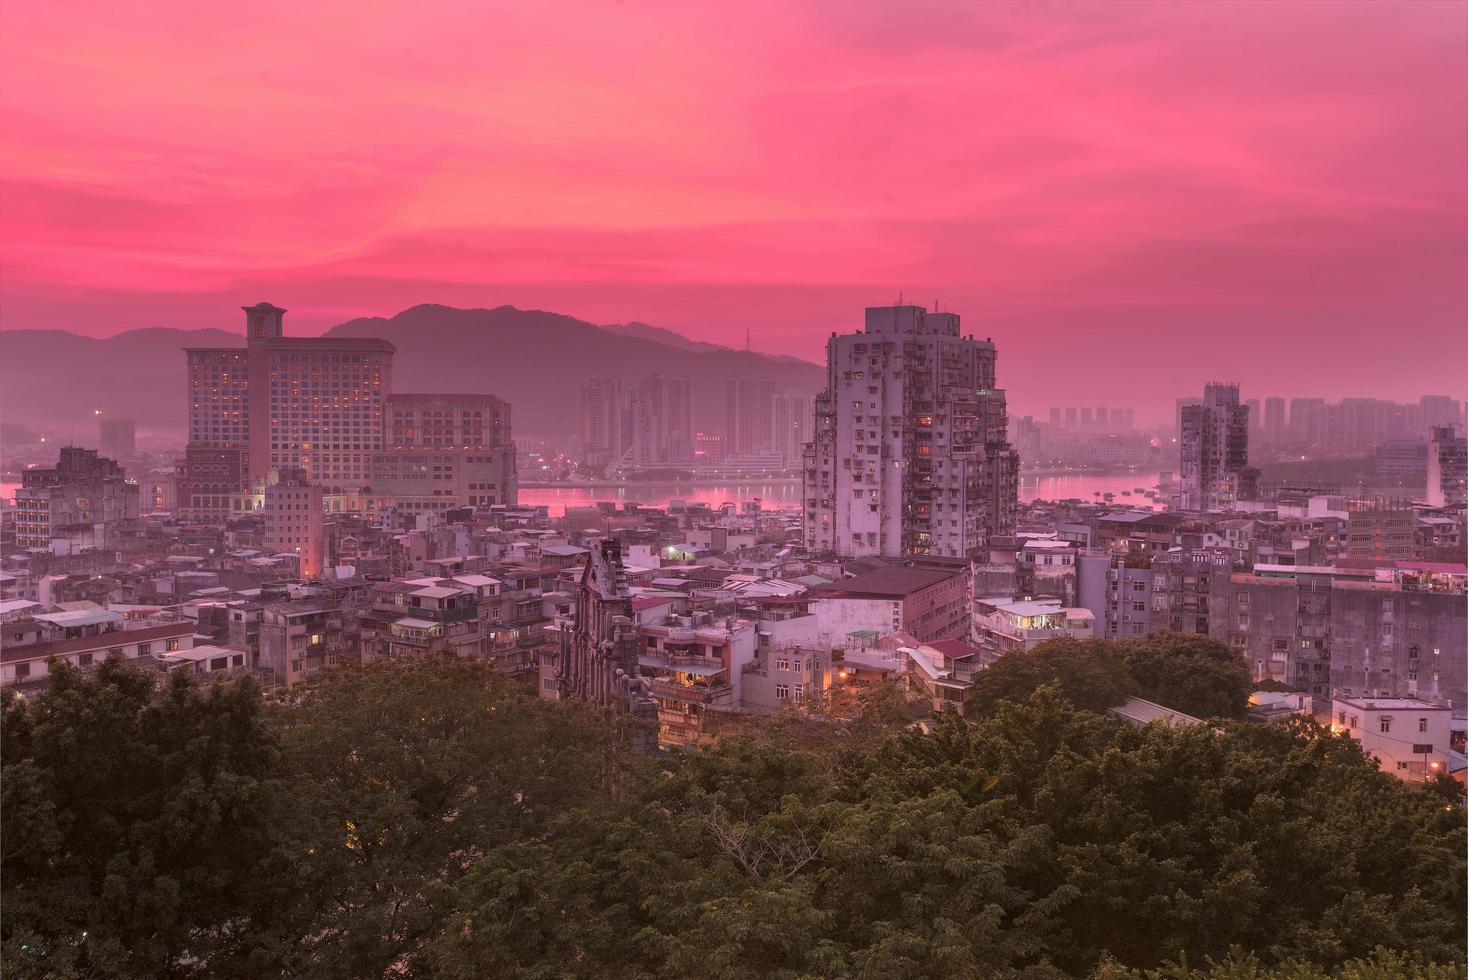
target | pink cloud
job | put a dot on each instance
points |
(1069, 175)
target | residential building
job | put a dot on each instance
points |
(911, 454)
(295, 522)
(1408, 738)
(1214, 449)
(1005, 625)
(695, 667)
(1378, 529)
(660, 424)
(1190, 589)
(1447, 468)
(299, 639)
(601, 422)
(81, 490)
(1117, 589)
(794, 422)
(29, 647)
(928, 603)
(749, 418)
(1273, 427)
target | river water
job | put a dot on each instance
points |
(787, 493)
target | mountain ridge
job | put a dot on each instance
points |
(536, 359)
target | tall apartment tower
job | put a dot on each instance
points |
(750, 425)
(601, 421)
(1273, 425)
(794, 421)
(1447, 467)
(911, 454)
(1214, 449)
(660, 432)
(308, 403)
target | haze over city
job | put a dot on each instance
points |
(1129, 197)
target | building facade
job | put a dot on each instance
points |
(1214, 449)
(443, 451)
(601, 422)
(295, 521)
(794, 420)
(910, 453)
(83, 489)
(749, 416)
(321, 405)
(1447, 468)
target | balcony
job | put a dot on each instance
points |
(691, 693)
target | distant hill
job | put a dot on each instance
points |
(660, 335)
(537, 360)
(52, 380)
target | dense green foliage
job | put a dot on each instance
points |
(132, 821)
(1193, 674)
(437, 821)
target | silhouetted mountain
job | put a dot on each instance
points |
(52, 379)
(672, 338)
(538, 361)
(660, 335)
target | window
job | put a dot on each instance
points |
(1422, 749)
(22, 670)
(218, 663)
(144, 649)
(548, 684)
(1386, 725)
(799, 690)
(86, 659)
(170, 646)
(782, 664)
(1422, 724)
(782, 691)
(800, 666)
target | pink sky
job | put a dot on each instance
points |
(1130, 198)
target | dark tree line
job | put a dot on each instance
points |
(436, 820)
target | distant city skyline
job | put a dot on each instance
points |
(1074, 178)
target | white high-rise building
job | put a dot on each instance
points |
(911, 454)
(1213, 449)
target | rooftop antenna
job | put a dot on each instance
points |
(746, 340)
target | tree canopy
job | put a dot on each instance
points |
(1193, 674)
(435, 820)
